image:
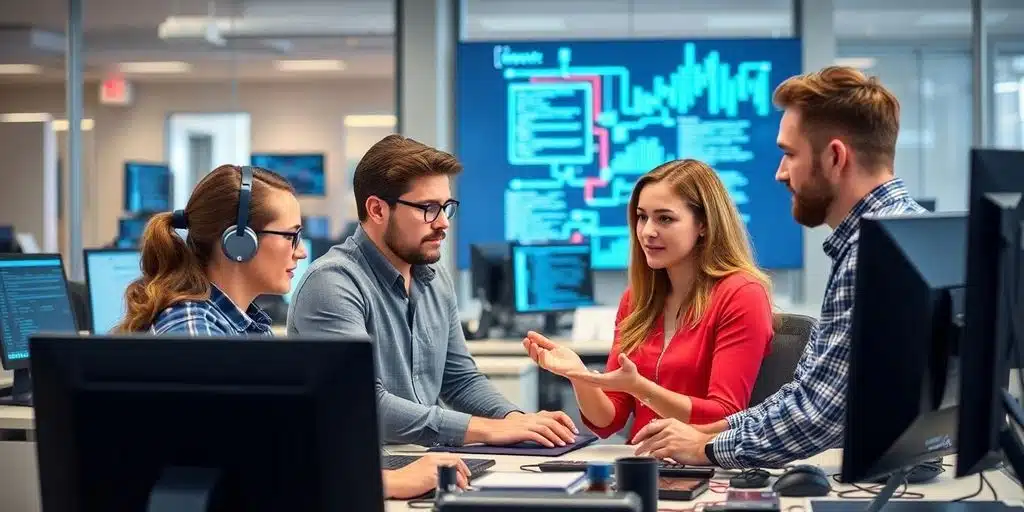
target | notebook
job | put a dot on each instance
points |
(510, 481)
(525, 448)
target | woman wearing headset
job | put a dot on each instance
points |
(205, 283)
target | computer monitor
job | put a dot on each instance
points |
(488, 267)
(907, 315)
(129, 231)
(300, 269)
(108, 272)
(551, 278)
(304, 171)
(33, 298)
(134, 422)
(147, 187)
(316, 226)
(8, 241)
(994, 328)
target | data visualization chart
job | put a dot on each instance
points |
(553, 135)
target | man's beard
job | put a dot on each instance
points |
(810, 205)
(412, 255)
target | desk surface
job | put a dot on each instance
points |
(507, 347)
(944, 488)
(14, 417)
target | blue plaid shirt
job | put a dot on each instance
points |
(215, 316)
(806, 416)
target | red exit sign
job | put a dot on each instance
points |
(115, 90)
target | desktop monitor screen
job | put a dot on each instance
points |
(489, 271)
(133, 422)
(108, 272)
(995, 294)
(304, 171)
(908, 303)
(300, 269)
(129, 231)
(316, 226)
(551, 277)
(147, 187)
(33, 298)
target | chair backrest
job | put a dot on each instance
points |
(78, 292)
(792, 333)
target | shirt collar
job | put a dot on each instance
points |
(254, 316)
(380, 264)
(886, 194)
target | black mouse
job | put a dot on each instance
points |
(803, 481)
(750, 479)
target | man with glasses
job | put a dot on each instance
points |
(383, 281)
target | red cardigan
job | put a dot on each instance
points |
(714, 363)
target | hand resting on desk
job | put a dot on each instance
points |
(546, 428)
(420, 477)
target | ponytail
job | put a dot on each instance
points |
(171, 273)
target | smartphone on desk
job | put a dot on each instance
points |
(681, 489)
(757, 501)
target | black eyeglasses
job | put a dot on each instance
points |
(294, 236)
(432, 209)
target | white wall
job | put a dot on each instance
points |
(231, 144)
(28, 199)
(289, 116)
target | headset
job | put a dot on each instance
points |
(239, 242)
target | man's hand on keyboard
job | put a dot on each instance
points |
(546, 428)
(421, 476)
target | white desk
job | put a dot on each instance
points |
(509, 347)
(944, 488)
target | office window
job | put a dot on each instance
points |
(921, 50)
(618, 19)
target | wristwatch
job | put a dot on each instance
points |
(709, 452)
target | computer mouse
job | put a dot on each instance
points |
(803, 481)
(750, 479)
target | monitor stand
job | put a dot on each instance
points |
(21, 389)
(551, 323)
(182, 489)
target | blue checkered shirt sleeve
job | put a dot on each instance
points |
(806, 416)
(191, 319)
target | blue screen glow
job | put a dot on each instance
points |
(553, 135)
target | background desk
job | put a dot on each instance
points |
(944, 488)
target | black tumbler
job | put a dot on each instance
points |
(639, 475)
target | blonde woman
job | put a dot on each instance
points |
(696, 321)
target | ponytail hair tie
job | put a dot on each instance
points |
(179, 220)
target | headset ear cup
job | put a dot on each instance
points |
(239, 248)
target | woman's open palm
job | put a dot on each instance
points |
(551, 356)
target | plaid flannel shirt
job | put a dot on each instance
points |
(215, 316)
(806, 416)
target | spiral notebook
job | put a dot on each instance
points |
(525, 448)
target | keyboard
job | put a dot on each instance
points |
(476, 466)
(666, 469)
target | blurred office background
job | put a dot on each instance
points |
(191, 84)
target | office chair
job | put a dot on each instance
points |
(78, 292)
(792, 332)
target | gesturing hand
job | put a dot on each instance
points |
(626, 378)
(551, 356)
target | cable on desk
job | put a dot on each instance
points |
(874, 489)
(421, 504)
(796, 508)
(983, 481)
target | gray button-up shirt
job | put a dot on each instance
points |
(421, 354)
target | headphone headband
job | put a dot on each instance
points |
(244, 197)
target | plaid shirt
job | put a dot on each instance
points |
(806, 416)
(215, 316)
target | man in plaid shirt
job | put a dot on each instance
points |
(838, 137)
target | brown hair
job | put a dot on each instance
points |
(723, 250)
(841, 102)
(387, 169)
(174, 269)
